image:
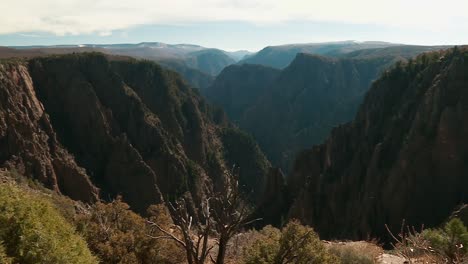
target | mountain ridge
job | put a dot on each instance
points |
(404, 154)
(131, 127)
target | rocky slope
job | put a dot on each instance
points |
(210, 61)
(194, 77)
(128, 127)
(238, 88)
(403, 157)
(28, 142)
(309, 97)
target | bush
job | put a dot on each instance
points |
(4, 259)
(118, 235)
(294, 244)
(33, 231)
(451, 241)
(265, 248)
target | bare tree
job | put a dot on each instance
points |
(224, 214)
(230, 213)
(409, 243)
(195, 236)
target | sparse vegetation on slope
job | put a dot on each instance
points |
(118, 235)
(451, 241)
(33, 231)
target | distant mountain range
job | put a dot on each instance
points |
(281, 56)
(154, 50)
(200, 65)
(197, 64)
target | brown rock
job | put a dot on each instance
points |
(27, 141)
(137, 130)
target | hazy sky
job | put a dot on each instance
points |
(232, 24)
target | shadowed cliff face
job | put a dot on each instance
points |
(132, 129)
(28, 142)
(295, 108)
(306, 100)
(238, 87)
(403, 157)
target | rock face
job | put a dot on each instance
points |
(211, 61)
(275, 201)
(309, 98)
(403, 157)
(28, 142)
(238, 87)
(131, 128)
(289, 110)
(194, 77)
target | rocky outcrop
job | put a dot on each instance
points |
(243, 154)
(403, 157)
(132, 128)
(275, 200)
(28, 142)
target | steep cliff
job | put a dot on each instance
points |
(194, 77)
(131, 128)
(403, 157)
(28, 142)
(306, 101)
(210, 61)
(295, 108)
(238, 87)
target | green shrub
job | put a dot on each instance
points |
(33, 231)
(294, 244)
(4, 259)
(451, 241)
(265, 247)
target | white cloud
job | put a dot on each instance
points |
(28, 35)
(73, 17)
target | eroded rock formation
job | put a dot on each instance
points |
(80, 122)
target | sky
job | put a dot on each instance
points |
(232, 24)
